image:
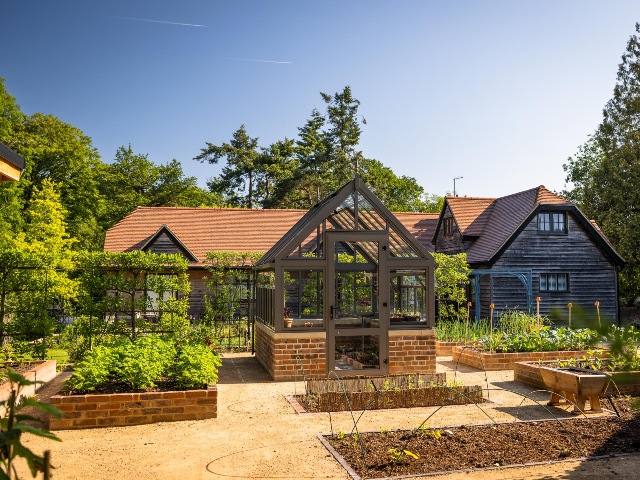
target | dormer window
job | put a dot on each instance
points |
(447, 224)
(552, 222)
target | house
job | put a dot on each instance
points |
(522, 246)
(193, 232)
(11, 164)
(527, 245)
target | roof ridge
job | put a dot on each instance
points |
(231, 209)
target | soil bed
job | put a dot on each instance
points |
(20, 368)
(114, 386)
(475, 447)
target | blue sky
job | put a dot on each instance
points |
(498, 92)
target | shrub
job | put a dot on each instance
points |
(196, 366)
(95, 370)
(144, 362)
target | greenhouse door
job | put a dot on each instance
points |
(357, 303)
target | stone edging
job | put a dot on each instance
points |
(123, 409)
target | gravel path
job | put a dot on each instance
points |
(257, 435)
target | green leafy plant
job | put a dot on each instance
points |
(13, 425)
(546, 339)
(142, 363)
(401, 457)
(196, 366)
(95, 370)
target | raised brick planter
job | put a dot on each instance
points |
(41, 372)
(281, 354)
(124, 409)
(412, 351)
(506, 361)
(445, 349)
(628, 383)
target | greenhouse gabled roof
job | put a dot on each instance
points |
(353, 207)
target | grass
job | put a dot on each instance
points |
(58, 354)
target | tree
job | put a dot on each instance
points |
(277, 164)
(133, 180)
(343, 132)
(239, 178)
(606, 170)
(35, 276)
(452, 277)
(59, 152)
(398, 194)
(326, 152)
(10, 113)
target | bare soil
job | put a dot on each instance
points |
(258, 435)
(386, 454)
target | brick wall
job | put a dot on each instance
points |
(412, 351)
(122, 409)
(506, 361)
(279, 352)
(445, 349)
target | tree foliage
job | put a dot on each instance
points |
(452, 277)
(605, 172)
(299, 173)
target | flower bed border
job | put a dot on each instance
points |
(124, 409)
(529, 372)
(506, 361)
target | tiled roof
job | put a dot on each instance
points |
(494, 221)
(421, 225)
(470, 213)
(204, 230)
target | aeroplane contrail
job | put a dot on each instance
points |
(260, 61)
(158, 21)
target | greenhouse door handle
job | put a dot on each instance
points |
(385, 361)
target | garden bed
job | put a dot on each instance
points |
(124, 409)
(39, 371)
(627, 383)
(506, 361)
(430, 451)
(390, 391)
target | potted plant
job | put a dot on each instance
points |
(288, 321)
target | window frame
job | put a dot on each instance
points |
(555, 276)
(552, 220)
(447, 226)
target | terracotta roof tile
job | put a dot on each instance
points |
(495, 220)
(204, 230)
(421, 225)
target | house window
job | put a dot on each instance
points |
(448, 227)
(552, 222)
(554, 282)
